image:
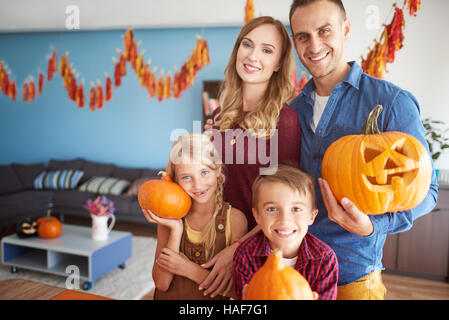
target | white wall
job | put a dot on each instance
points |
(420, 67)
(117, 14)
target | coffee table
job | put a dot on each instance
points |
(74, 247)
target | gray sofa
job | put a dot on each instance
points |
(19, 199)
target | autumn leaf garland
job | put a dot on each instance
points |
(161, 86)
(391, 40)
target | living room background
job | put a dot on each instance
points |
(134, 130)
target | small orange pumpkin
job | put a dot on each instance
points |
(49, 227)
(379, 172)
(277, 281)
(164, 198)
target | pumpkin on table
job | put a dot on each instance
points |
(277, 281)
(164, 198)
(378, 172)
(49, 227)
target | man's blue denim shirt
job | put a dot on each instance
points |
(346, 111)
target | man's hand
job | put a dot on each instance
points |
(347, 215)
(219, 280)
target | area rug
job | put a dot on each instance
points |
(130, 283)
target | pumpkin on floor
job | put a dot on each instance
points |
(164, 198)
(378, 172)
(277, 281)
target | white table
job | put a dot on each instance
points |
(73, 247)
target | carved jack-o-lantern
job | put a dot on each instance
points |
(27, 228)
(379, 172)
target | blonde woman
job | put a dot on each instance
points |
(210, 226)
(254, 128)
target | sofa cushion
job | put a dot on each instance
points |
(59, 179)
(28, 172)
(129, 174)
(105, 185)
(74, 164)
(9, 181)
(92, 169)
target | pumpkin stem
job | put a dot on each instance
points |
(50, 206)
(164, 175)
(370, 125)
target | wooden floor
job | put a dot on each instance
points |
(398, 287)
(408, 288)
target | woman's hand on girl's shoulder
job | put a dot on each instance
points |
(172, 224)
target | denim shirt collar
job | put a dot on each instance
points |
(352, 78)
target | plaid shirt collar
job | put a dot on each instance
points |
(304, 255)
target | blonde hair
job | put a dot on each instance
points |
(197, 147)
(263, 120)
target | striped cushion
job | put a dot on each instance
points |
(105, 185)
(59, 179)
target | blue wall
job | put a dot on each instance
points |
(132, 130)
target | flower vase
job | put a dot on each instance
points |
(100, 228)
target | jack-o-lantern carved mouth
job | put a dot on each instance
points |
(390, 169)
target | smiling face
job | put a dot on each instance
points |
(259, 54)
(284, 215)
(319, 32)
(198, 180)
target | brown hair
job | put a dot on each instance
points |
(302, 3)
(280, 89)
(292, 176)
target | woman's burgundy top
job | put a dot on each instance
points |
(244, 159)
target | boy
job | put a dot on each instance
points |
(284, 205)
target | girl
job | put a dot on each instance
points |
(253, 105)
(210, 226)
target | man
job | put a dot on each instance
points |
(335, 103)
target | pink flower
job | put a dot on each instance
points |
(101, 206)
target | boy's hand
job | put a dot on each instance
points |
(347, 215)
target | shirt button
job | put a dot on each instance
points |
(220, 226)
(197, 254)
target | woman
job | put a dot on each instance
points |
(253, 121)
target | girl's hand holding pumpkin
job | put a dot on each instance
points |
(172, 224)
(347, 215)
